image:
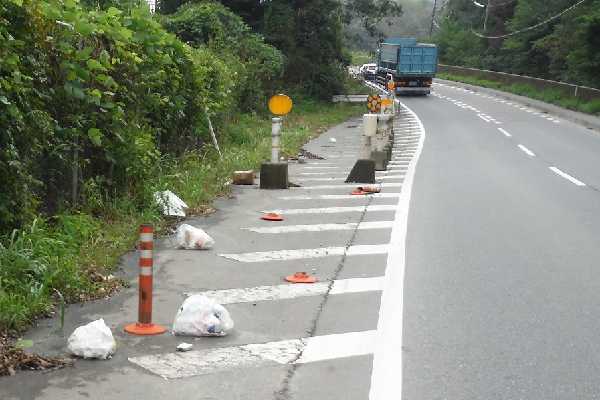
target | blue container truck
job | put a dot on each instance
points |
(410, 65)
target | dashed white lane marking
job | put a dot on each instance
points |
(347, 185)
(526, 150)
(321, 227)
(387, 373)
(333, 210)
(566, 176)
(298, 254)
(504, 132)
(483, 118)
(295, 351)
(341, 197)
(292, 291)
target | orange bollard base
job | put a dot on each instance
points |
(145, 329)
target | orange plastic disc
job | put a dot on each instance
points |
(272, 217)
(145, 329)
(301, 277)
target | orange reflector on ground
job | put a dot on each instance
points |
(301, 277)
(369, 189)
(144, 329)
(272, 217)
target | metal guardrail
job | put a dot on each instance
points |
(350, 98)
(577, 91)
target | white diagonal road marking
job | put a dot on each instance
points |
(298, 254)
(321, 227)
(294, 351)
(292, 291)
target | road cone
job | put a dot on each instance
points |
(272, 217)
(301, 277)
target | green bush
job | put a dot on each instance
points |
(94, 95)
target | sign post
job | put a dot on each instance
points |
(274, 175)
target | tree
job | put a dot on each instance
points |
(371, 13)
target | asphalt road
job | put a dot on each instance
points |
(490, 280)
(502, 286)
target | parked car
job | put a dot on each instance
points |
(369, 71)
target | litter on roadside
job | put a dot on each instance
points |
(192, 238)
(94, 340)
(202, 316)
(183, 347)
(369, 189)
(170, 204)
(332, 140)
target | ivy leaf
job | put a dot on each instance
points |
(94, 65)
(95, 136)
(4, 100)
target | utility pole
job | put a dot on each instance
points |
(432, 17)
(487, 14)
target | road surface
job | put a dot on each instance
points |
(483, 237)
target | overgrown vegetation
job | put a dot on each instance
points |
(565, 49)
(552, 96)
(102, 103)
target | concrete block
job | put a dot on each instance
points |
(274, 176)
(362, 172)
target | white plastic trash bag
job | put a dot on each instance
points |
(94, 340)
(191, 238)
(202, 316)
(170, 204)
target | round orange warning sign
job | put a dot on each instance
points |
(280, 104)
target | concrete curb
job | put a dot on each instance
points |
(588, 121)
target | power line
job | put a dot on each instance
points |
(533, 26)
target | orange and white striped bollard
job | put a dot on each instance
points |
(144, 326)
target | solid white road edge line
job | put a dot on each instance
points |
(321, 227)
(298, 254)
(387, 374)
(526, 150)
(292, 291)
(566, 176)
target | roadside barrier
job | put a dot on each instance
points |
(144, 326)
(375, 144)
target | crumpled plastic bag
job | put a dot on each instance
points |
(94, 340)
(170, 203)
(202, 316)
(192, 238)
